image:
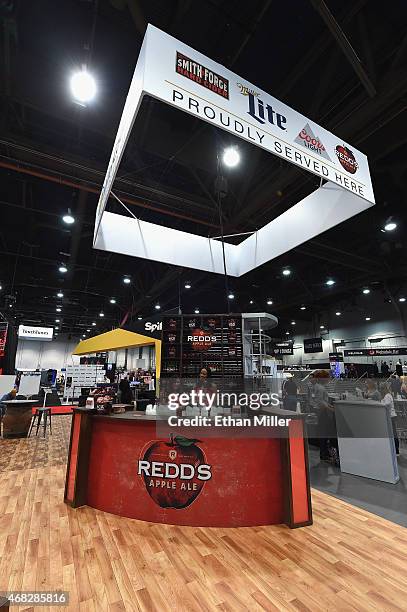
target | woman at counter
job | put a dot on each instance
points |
(387, 399)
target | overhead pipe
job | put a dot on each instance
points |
(83, 187)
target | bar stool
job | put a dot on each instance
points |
(41, 413)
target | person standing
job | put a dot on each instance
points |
(290, 393)
(399, 368)
(125, 391)
(384, 368)
(387, 400)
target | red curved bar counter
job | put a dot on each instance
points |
(117, 464)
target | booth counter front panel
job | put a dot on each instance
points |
(120, 465)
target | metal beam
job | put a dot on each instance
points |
(345, 45)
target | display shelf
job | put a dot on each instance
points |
(191, 343)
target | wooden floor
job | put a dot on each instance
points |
(348, 560)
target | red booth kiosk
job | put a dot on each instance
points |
(118, 464)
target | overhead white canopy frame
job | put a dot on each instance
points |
(178, 75)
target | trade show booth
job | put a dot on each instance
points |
(119, 339)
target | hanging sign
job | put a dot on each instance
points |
(313, 345)
(180, 76)
(29, 332)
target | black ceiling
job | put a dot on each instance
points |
(348, 74)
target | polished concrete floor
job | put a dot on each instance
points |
(381, 498)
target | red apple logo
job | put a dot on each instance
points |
(346, 159)
(174, 472)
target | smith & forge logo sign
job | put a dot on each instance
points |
(201, 75)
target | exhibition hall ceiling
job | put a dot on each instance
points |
(341, 64)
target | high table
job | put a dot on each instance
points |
(125, 465)
(16, 421)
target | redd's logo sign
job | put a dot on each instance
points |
(174, 472)
(201, 340)
(198, 73)
(346, 159)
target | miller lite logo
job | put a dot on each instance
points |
(245, 90)
(265, 113)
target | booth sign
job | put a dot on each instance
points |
(180, 76)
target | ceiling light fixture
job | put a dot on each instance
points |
(60, 294)
(269, 302)
(286, 272)
(68, 218)
(187, 285)
(402, 299)
(139, 318)
(231, 157)
(287, 333)
(196, 311)
(88, 330)
(367, 318)
(390, 226)
(303, 308)
(157, 307)
(330, 282)
(126, 280)
(101, 314)
(338, 313)
(58, 309)
(57, 320)
(83, 86)
(366, 291)
(112, 301)
(231, 296)
(293, 323)
(322, 327)
(93, 323)
(251, 302)
(62, 268)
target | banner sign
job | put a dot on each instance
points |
(28, 332)
(335, 357)
(3, 338)
(148, 326)
(282, 348)
(376, 352)
(180, 76)
(201, 87)
(312, 345)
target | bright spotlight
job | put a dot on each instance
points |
(83, 86)
(231, 157)
(68, 219)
